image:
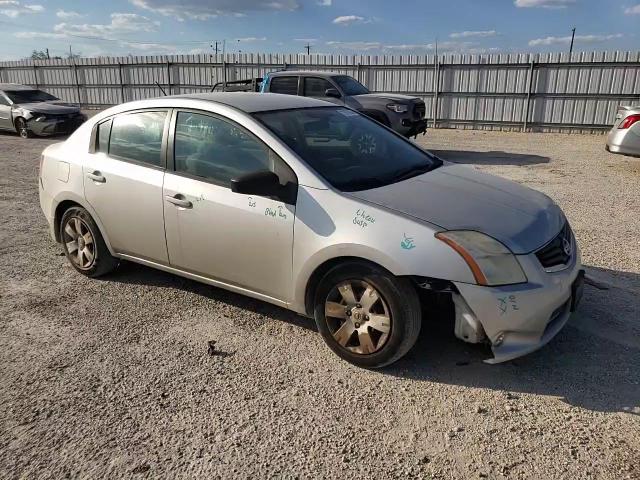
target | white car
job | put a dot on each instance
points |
(316, 208)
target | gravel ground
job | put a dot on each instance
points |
(111, 377)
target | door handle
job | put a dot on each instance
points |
(96, 176)
(179, 201)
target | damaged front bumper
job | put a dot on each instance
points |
(519, 319)
(412, 128)
(55, 125)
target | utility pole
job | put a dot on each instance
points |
(215, 46)
(308, 48)
(573, 36)
(48, 57)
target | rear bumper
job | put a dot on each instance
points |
(624, 142)
(519, 319)
(46, 203)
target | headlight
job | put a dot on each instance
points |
(398, 107)
(489, 260)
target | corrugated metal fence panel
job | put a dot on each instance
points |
(577, 92)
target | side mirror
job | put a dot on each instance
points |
(332, 92)
(263, 182)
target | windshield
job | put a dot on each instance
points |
(29, 96)
(350, 86)
(346, 148)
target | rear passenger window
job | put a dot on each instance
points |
(316, 87)
(102, 138)
(286, 85)
(138, 137)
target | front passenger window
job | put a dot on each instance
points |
(217, 150)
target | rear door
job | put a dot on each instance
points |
(285, 84)
(123, 182)
(240, 240)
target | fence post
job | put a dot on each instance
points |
(35, 74)
(436, 91)
(121, 82)
(528, 102)
(75, 73)
(169, 77)
(224, 75)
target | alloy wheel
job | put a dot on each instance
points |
(23, 131)
(358, 317)
(79, 243)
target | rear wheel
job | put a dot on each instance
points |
(22, 128)
(366, 315)
(83, 244)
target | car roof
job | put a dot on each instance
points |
(12, 87)
(304, 72)
(251, 102)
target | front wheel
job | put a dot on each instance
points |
(366, 315)
(22, 128)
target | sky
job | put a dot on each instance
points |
(152, 27)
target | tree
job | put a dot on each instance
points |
(39, 55)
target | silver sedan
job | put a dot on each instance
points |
(624, 137)
(318, 209)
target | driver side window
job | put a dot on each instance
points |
(316, 87)
(218, 150)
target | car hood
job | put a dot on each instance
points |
(394, 97)
(456, 197)
(49, 107)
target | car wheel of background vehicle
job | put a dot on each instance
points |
(367, 316)
(22, 128)
(83, 244)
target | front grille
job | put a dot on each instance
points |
(558, 251)
(419, 110)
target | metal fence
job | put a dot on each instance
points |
(528, 92)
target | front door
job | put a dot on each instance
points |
(316, 87)
(240, 240)
(123, 183)
(6, 122)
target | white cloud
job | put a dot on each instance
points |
(548, 41)
(346, 20)
(45, 35)
(252, 39)
(68, 14)
(306, 40)
(472, 34)
(325, 3)
(443, 47)
(13, 8)
(635, 10)
(120, 23)
(543, 3)
(355, 45)
(207, 9)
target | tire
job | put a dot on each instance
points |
(22, 128)
(89, 256)
(374, 341)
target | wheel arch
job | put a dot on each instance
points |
(67, 203)
(321, 270)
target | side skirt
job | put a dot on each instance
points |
(206, 280)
